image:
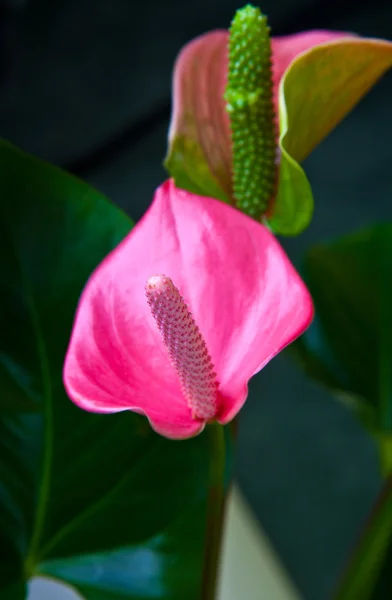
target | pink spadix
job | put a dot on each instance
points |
(185, 344)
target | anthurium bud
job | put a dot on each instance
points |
(222, 138)
(249, 97)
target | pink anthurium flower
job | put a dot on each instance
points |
(177, 319)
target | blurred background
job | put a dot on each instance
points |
(85, 84)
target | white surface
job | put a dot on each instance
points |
(48, 589)
(249, 569)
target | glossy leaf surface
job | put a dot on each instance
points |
(100, 502)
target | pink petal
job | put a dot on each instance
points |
(245, 295)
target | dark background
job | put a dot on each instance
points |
(86, 84)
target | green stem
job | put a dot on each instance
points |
(385, 453)
(384, 354)
(215, 510)
(361, 577)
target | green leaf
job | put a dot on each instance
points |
(320, 87)
(164, 566)
(349, 346)
(368, 575)
(349, 349)
(16, 591)
(99, 501)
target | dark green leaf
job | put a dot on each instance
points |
(100, 502)
(349, 346)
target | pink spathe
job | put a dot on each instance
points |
(244, 295)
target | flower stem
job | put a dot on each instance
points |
(385, 452)
(215, 510)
